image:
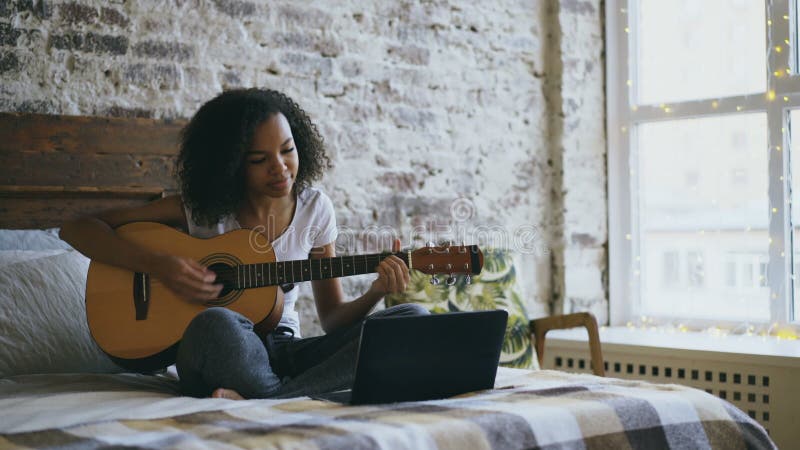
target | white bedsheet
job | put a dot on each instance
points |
(39, 402)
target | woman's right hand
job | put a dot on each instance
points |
(186, 277)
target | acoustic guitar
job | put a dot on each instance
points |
(139, 322)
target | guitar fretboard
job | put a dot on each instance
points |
(246, 276)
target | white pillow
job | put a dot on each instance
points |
(14, 256)
(43, 320)
(32, 240)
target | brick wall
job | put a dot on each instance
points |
(443, 118)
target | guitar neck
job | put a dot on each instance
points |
(245, 276)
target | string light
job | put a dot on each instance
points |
(780, 332)
(771, 95)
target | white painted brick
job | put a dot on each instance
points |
(458, 109)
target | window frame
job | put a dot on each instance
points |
(781, 96)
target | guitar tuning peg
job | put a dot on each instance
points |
(451, 280)
(434, 280)
(468, 279)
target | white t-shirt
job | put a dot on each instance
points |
(313, 225)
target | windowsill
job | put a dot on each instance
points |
(662, 343)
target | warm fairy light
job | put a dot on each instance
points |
(629, 83)
(785, 98)
(667, 109)
(769, 22)
(774, 210)
(778, 73)
(770, 241)
(782, 332)
(624, 129)
(786, 41)
(785, 17)
(778, 148)
(738, 108)
(771, 95)
(628, 236)
(714, 104)
(627, 30)
(715, 331)
(634, 108)
(778, 48)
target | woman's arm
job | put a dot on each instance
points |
(335, 313)
(94, 236)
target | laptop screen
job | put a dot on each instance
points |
(428, 357)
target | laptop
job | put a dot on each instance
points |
(425, 357)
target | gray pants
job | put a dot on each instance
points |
(220, 350)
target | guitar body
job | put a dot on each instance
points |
(139, 322)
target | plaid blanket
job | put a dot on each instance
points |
(541, 409)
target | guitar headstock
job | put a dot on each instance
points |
(450, 260)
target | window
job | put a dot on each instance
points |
(730, 274)
(671, 269)
(702, 100)
(696, 272)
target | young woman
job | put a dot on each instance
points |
(247, 160)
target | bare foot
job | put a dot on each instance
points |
(230, 394)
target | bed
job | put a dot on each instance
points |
(57, 390)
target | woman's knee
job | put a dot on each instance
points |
(215, 321)
(405, 309)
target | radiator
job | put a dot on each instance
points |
(766, 386)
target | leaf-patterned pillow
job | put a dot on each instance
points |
(494, 288)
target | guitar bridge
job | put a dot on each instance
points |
(141, 294)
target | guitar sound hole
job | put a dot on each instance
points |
(225, 275)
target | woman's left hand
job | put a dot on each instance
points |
(393, 274)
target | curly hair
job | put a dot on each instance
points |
(210, 166)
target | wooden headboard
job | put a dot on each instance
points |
(54, 168)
